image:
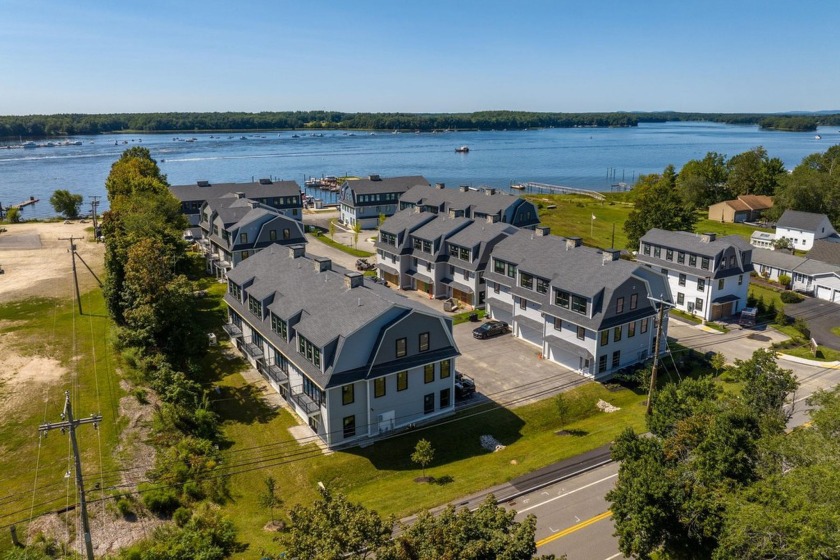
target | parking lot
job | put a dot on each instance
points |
(509, 371)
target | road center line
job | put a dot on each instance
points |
(574, 528)
(567, 493)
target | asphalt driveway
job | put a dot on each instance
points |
(509, 371)
(821, 317)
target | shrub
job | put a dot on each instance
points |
(162, 501)
(800, 325)
(791, 297)
(784, 280)
(125, 506)
(181, 516)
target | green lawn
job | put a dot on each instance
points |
(824, 354)
(46, 328)
(768, 295)
(342, 247)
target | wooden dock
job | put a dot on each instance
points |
(544, 188)
(32, 200)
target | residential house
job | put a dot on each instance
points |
(826, 250)
(485, 204)
(280, 195)
(763, 240)
(364, 201)
(235, 228)
(709, 276)
(353, 359)
(580, 307)
(807, 275)
(427, 267)
(745, 208)
(803, 228)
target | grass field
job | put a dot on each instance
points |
(72, 353)
(342, 247)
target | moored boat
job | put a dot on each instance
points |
(462, 149)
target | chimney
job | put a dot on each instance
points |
(489, 191)
(322, 264)
(374, 177)
(240, 195)
(417, 209)
(542, 231)
(253, 204)
(296, 251)
(572, 242)
(265, 181)
(203, 183)
(609, 255)
(353, 279)
(440, 186)
(464, 188)
(492, 218)
(707, 237)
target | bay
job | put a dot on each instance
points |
(592, 158)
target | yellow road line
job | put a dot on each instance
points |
(574, 528)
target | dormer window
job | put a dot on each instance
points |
(561, 299)
(255, 306)
(235, 290)
(526, 281)
(681, 258)
(704, 263)
(542, 286)
(692, 260)
(309, 351)
(243, 237)
(279, 326)
(579, 304)
(657, 252)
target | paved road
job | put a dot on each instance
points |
(821, 317)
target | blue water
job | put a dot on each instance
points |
(587, 158)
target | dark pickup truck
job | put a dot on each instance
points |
(464, 386)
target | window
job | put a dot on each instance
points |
(309, 351)
(255, 306)
(657, 252)
(579, 305)
(602, 363)
(634, 301)
(692, 260)
(605, 338)
(701, 284)
(235, 290)
(511, 270)
(523, 303)
(445, 398)
(429, 403)
(644, 326)
(631, 329)
(616, 358)
(445, 369)
(664, 271)
(243, 237)
(526, 281)
(379, 387)
(348, 394)
(558, 324)
(731, 260)
(428, 373)
(401, 348)
(278, 325)
(272, 236)
(287, 233)
(542, 286)
(698, 304)
(669, 254)
(495, 287)
(561, 299)
(245, 254)
(721, 283)
(424, 341)
(680, 298)
(681, 280)
(498, 266)
(619, 305)
(402, 381)
(704, 263)
(740, 279)
(617, 333)
(349, 426)
(681, 258)
(646, 248)
(581, 333)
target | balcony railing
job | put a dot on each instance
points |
(232, 330)
(254, 351)
(278, 375)
(306, 403)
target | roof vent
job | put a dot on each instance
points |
(440, 186)
(464, 188)
(707, 237)
(240, 195)
(353, 279)
(296, 251)
(542, 231)
(492, 218)
(572, 242)
(489, 191)
(610, 255)
(322, 264)
(265, 181)
(374, 177)
(203, 183)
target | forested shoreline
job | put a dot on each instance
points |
(39, 126)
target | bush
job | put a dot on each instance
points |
(125, 506)
(800, 325)
(162, 501)
(791, 297)
(181, 516)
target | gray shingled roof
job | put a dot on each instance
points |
(405, 220)
(479, 200)
(386, 184)
(826, 250)
(480, 232)
(693, 243)
(251, 190)
(440, 226)
(776, 259)
(806, 221)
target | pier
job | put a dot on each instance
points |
(544, 188)
(32, 200)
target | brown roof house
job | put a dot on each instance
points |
(746, 208)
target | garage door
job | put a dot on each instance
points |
(563, 358)
(529, 334)
(500, 314)
(836, 296)
(824, 292)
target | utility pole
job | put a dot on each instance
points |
(75, 276)
(68, 423)
(93, 204)
(653, 368)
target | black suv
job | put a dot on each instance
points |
(491, 328)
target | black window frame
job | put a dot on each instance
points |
(380, 387)
(348, 394)
(423, 341)
(581, 333)
(634, 301)
(446, 371)
(429, 373)
(401, 352)
(402, 380)
(619, 305)
(447, 401)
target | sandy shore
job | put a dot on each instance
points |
(36, 263)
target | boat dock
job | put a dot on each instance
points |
(544, 188)
(32, 200)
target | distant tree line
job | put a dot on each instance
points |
(74, 123)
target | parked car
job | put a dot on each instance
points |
(748, 317)
(363, 264)
(464, 386)
(491, 328)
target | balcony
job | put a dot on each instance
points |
(232, 330)
(254, 351)
(276, 374)
(305, 402)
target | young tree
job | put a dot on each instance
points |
(66, 203)
(718, 362)
(423, 454)
(563, 407)
(784, 280)
(357, 229)
(332, 230)
(783, 244)
(268, 498)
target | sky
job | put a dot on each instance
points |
(418, 56)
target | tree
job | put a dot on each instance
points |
(783, 244)
(718, 362)
(754, 172)
(268, 498)
(423, 454)
(676, 402)
(784, 280)
(702, 183)
(767, 387)
(812, 186)
(357, 229)
(563, 407)
(335, 529)
(66, 203)
(13, 215)
(332, 229)
(657, 205)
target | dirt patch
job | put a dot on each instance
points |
(22, 378)
(44, 269)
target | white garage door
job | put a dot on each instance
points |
(500, 314)
(824, 292)
(566, 359)
(529, 334)
(836, 296)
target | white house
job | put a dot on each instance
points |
(807, 275)
(802, 228)
(709, 276)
